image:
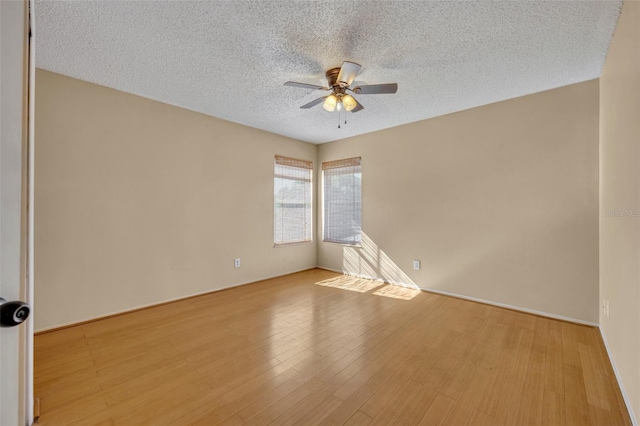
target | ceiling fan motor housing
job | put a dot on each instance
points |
(332, 77)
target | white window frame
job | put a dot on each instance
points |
(334, 168)
(297, 170)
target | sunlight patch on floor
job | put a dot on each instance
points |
(363, 285)
(397, 292)
(346, 282)
(369, 260)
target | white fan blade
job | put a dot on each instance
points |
(348, 72)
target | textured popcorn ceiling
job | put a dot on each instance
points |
(230, 59)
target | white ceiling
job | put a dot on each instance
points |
(230, 59)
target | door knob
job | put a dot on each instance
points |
(13, 313)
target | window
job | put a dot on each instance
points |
(342, 201)
(292, 201)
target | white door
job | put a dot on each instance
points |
(15, 341)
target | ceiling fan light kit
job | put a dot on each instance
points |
(330, 103)
(339, 82)
(339, 101)
(349, 102)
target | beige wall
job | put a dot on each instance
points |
(139, 202)
(620, 200)
(498, 203)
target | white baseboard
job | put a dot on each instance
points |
(625, 397)
(472, 299)
(512, 307)
(151, 305)
(331, 270)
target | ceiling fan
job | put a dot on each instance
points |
(339, 83)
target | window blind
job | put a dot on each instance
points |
(342, 184)
(292, 200)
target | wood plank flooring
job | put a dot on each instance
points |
(289, 351)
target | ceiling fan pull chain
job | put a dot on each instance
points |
(338, 119)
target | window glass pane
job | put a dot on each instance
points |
(292, 202)
(342, 202)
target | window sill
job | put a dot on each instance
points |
(343, 244)
(297, 243)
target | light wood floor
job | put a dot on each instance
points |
(289, 351)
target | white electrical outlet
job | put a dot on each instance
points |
(605, 308)
(236, 263)
(416, 265)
